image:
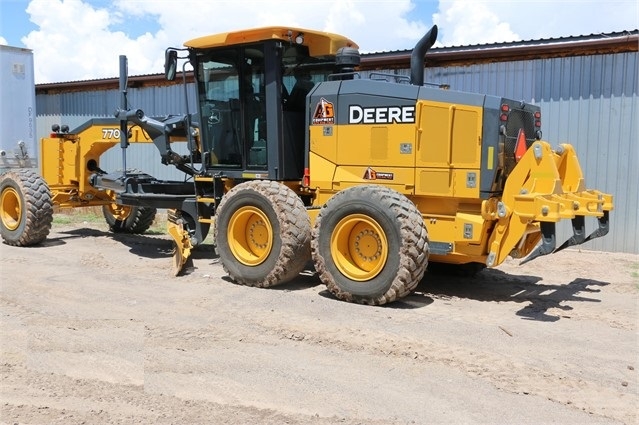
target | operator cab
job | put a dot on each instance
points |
(251, 89)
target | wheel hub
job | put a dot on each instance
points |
(359, 247)
(250, 236)
(11, 211)
(119, 212)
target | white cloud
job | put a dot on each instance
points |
(76, 40)
(89, 47)
(85, 50)
(3, 41)
(471, 22)
(465, 22)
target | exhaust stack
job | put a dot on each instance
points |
(417, 56)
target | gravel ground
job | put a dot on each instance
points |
(96, 331)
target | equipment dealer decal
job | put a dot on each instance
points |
(324, 112)
(371, 174)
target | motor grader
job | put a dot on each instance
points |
(293, 156)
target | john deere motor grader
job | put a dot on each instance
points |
(293, 156)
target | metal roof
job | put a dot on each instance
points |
(614, 42)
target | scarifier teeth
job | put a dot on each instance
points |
(579, 233)
(602, 230)
(547, 242)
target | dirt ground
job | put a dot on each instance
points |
(95, 331)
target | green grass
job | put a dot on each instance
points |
(76, 218)
(78, 215)
(94, 215)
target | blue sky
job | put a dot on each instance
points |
(82, 39)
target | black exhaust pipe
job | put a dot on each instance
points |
(417, 56)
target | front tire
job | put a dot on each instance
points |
(370, 245)
(26, 209)
(127, 219)
(262, 234)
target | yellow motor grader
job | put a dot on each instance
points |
(293, 157)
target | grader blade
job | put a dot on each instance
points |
(181, 243)
(178, 261)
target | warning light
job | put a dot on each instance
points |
(520, 147)
(537, 119)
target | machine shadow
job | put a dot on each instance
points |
(492, 285)
(84, 232)
(142, 245)
(307, 279)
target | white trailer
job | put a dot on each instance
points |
(18, 141)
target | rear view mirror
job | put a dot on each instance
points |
(170, 64)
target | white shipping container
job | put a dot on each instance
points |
(18, 142)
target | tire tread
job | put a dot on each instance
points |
(413, 247)
(38, 209)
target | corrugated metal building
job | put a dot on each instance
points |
(586, 86)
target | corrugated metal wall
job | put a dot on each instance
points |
(76, 108)
(589, 101)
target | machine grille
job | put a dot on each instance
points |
(518, 118)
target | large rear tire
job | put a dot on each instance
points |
(127, 219)
(262, 233)
(370, 245)
(26, 209)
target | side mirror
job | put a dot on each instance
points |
(170, 64)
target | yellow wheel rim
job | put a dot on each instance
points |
(250, 236)
(119, 212)
(359, 247)
(11, 211)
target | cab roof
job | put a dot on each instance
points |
(319, 43)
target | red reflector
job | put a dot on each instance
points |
(520, 147)
(306, 180)
(505, 108)
(503, 117)
(537, 115)
(537, 123)
(53, 136)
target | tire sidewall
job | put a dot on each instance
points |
(243, 198)
(381, 283)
